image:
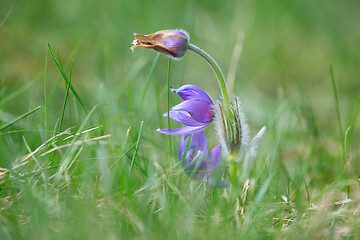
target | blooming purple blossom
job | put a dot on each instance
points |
(198, 164)
(196, 111)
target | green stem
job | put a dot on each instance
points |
(226, 97)
(233, 173)
(168, 102)
(217, 70)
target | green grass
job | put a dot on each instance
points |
(80, 157)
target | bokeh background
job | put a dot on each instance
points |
(284, 44)
(286, 50)
(277, 56)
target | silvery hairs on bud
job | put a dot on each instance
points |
(233, 133)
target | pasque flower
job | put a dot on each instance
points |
(169, 42)
(197, 163)
(196, 111)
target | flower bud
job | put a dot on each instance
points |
(169, 42)
(232, 130)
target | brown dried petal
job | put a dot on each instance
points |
(168, 42)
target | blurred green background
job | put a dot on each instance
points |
(285, 43)
(277, 52)
(287, 48)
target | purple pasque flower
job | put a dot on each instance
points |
(196, 111)
(197, 163)
(169, 42)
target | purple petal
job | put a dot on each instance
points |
(197, 169)
(202, 172)
(200, 141)
(212, 165)
(215, 153)
(184, 118)
(175, 42)
(208, 167)
(181, 32)
(217, 183)
(192, 156)
(182, 131)
(213, 160)
(182, 145)
(199, 110)
(188, 92)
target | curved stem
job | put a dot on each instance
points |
(217, 70)
(226, 98)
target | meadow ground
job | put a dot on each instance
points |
(83, 160)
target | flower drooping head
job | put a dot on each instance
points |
(198, 164)
(196, 111)
(169, 42)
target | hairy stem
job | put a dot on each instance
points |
(217, 71)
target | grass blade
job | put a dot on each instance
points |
(67, 156)
(8, 124)
(129, 106)
(336, 103)
(355, 113)
(66, 97)
(66, 78)
(136, 150)
(343, 169)
(45, 94)
(147, 81)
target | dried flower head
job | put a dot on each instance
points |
(169, 42)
